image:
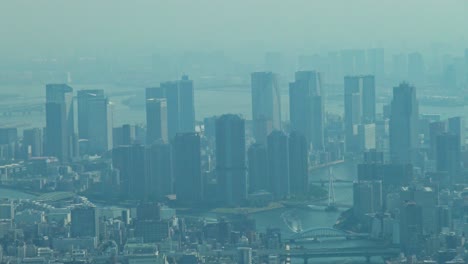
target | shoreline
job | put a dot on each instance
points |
(19, 189)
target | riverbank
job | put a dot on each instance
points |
(19, 189)
(247, 210)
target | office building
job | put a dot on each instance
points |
(231, 168)
(411, 227)
(399, 67)
(367, 199)
(427, 199)
(404, 140)
(180, 105)
(353, 61)
(209, 125)
(99, 126)
(266, 104)
(376, 63)
(367, 137)
(32, 142)
(154, 93)
(159, 170)
(156, 120)
(278, 164)
(436, 129)
(244, 255)
(60, 129)
(188, 183)
(84, 110)
(130, 161)
(152, 231)
(306, 107)
(448, 157)
(298, 163)
(123, 135)
(415, 68)
(359, 103)
(128, 134)
(456, 126)
(258, 167)
(7, 210)
(8, 141)
(84, 222)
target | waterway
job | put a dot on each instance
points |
(208, 102)
(309, 218)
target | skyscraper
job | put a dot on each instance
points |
(306, 107)
(411, 227)
(448, 157)
(435, 129)
(84, 111)
(188, 183)
(130, 161)
(186, 105)
(154, 92)
(456, 126)
(99, 126)
(353, 61)
(258, 167)
(266, 104)
(159, 169)
(404, 141)
(128, 134)
(156, 120)
(180, 105)
(359, 107)
(244, 255)
(230, 159)
(278, 164)
(415, 67)
(32, 142)
(367, 198)
(376, 63)
(298, 163)
(60, 127)
(95, 120)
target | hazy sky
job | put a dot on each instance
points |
(49, 27)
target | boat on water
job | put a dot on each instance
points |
(293, 222)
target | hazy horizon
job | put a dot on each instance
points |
(139, 28)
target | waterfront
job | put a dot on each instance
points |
(208, 102)
(309, 218)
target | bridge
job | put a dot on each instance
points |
(323, 181)
(324, 204)
(307, 254)
(326, 232)
(285, 255)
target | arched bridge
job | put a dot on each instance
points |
(325, 232)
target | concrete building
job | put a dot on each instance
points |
(156, 120)
(278, 164)
(188, 183)
(84, 222)
(404, 140)
(359, 103)
(266, 104)
(306, 107)
(231, 168)
(298, 164)
(258, 168)
(60, 124)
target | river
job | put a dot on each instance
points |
(312, 218)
